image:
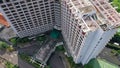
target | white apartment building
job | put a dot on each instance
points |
(29, 17)
(86, 25)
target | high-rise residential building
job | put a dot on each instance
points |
(29, 17)
(86, 25)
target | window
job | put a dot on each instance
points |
(17, 6)
(18, 9)
(16, 16)
(40, 1)
(21, 15)
(3, 6)
(41, 7)
(5, 9)
(9, 15)
(45, 0)
(31, 9)
(28, 0)
(7, 0)
(9, 4)
(22, 2)
(41, 4)
(14, 13)
(35, 5)
(23, 5)
(36, 8)
(16, 3)
(7, 12)
(25, 11)
(34, 2)
(1, 1)
(29, 4)
(46, 3)
(46, 6)
(20, 12)
(11, 8)
(100, 38)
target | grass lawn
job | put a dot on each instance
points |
(99, 63)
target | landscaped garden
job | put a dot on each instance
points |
(116, 3)
(10, 65)
(41, 38)
(60, 48)
(17, 40)
(5, 46)
(115, 48)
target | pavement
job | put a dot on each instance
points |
(107, 55)
(7, 33)
(56, 61)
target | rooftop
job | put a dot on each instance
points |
(45, 51)
(3, 21)
(108, 12)
(101, 14)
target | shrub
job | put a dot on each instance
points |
(60, 48)
(114, 52)
(3, 45)
(113, 46)
(118, 51)
(10, 65)
(13, 40)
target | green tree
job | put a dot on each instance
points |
(116, 38)
(13, 40)
(118, 51)
(3, 45)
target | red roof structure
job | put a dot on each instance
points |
(3, 21)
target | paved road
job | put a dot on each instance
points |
(107, 55)
(23, 64)
(56, 61)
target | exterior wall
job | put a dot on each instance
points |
(29, 17)
(105, 38)
(71, 29)
(93, 45)
(57, 10)
(96, 35)
(82, 46)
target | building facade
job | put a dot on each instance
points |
(86, 25)
(29, 17)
